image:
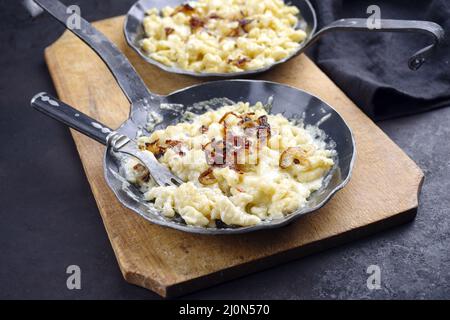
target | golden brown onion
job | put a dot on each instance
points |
(155, 148)
(226, 115)
(294, 155)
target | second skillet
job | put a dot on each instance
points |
(285, 99)
(134, 33)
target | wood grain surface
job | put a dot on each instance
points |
(382, 192)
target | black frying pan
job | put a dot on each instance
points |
(288, 100)
(134, 33)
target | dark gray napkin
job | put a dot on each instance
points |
(372, 69)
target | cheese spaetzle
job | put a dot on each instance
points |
(222, 36)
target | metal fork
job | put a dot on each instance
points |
(92, 128)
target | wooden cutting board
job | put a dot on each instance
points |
(382, 192)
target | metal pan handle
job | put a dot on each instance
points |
(387, 25)
(126, 76)
(64, 113)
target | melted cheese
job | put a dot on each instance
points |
(264, 192)
(222, 35)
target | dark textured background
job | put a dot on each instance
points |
(49, 219)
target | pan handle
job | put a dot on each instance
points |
(75, 119)
(126, 76)
(387, 25)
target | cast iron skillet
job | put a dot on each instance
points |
(287, 100)
(134, 33)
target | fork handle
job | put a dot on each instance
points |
(75, 119)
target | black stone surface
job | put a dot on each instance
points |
(49, 219)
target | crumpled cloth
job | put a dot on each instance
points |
(372, 68)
